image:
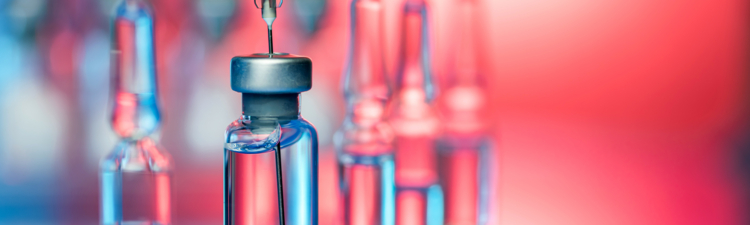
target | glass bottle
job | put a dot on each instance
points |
(135, 180)
(363, 143)
(270, 120)
(465, 147)
(416, 125)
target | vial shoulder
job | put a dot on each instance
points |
(241, 125)
(370, 139)
(143, 155)
(414, 119)
(477, 142)
(301, 124)
(252, 136)
(297, 130)
(245, 135)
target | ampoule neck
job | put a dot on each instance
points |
(465, 70)
(366, 111)
(464, 101)
(414, 72)
(135, 112)
(365, 75)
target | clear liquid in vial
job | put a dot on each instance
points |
(252, 188)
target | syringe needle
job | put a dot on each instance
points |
(269, 15)
(270, 41)
(279, 183)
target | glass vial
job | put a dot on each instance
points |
(363, 143)
(416, 125)
(135, 180)
(270, 120)
(465, 148)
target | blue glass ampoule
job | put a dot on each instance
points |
(270, 120)
(416, 125)
(466, 158)
(364, 141)
(135, 181)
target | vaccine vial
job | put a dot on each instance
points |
(271, 126)
(135, 180)
(364, 141)
(416, 125)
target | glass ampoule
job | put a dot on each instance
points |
(416, 125)
(364, 141)
(465, 148)
(270, 124)
(135, 180)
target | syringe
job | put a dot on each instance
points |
(268, 11)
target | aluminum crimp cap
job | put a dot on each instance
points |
(280, 73)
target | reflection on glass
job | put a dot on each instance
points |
(416, 125)
(363, 143)
(135, 182)
(465, 154)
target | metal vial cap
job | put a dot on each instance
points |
(279, 73)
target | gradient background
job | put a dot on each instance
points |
(604, 112)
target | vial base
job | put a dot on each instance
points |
(135, 198)
(466, 172)
(368, 187)
(419, 205)
(460, 173)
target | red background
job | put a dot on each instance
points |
(604, 112)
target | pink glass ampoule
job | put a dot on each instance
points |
(135, 180)
(416, 125)
(465, 148)
(364, 141)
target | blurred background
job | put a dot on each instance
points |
(604, 112)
